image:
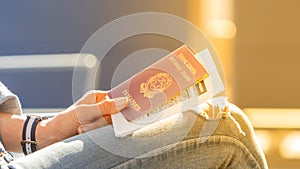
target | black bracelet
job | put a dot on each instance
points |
(28, 135)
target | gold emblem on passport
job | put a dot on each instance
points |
(156, 84)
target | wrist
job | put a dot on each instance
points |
(28, 142)
(55, 129)
(44, 134)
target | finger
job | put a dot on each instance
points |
(101, 122)
(112, 106)
(87, 113)
(108, 119)
(99, 95)
(92, 97)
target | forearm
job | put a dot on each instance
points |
(91, 112)
(74, 120)
(47, 131)
(55, 129)
(11, 131)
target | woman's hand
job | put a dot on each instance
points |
(95, 97)
(93, 103)
(92, 111)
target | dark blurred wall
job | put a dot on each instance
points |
(34, 27)
(44, 27)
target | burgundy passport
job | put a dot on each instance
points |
(159, 82)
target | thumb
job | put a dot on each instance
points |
(112, 106)
(121, 103)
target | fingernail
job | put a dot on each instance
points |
(121, 102)
(82, 129)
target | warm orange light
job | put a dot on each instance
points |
(217, 18)
(290, 146)
(274, 118)
(264, 139)
(220, 28)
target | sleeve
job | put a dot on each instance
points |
(9, 102)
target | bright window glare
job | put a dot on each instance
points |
(290, 146)
(221, 28)
(274, 118)
(90, 61)
(47, 61)
(217, 18)
(264, 139)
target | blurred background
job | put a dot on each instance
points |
(257, 41)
